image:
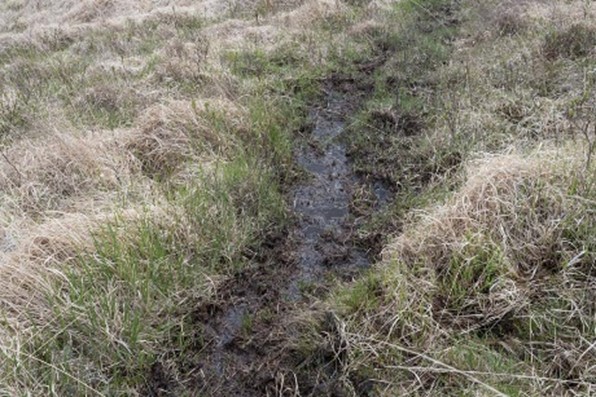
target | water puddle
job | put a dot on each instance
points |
(322, 202)
(232, 322)
(383, 194)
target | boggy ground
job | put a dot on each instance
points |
(151, 166)
(247, 329)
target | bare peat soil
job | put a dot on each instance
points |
(248, 332)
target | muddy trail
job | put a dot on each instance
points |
(247, 327)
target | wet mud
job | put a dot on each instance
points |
(322, 202)
(247, 328)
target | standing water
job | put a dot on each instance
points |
(322, 203)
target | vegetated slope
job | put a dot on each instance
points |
(143, 161)
(484, 118)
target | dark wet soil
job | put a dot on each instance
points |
(247, 328)
(322, 203)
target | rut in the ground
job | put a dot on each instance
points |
(247, 329)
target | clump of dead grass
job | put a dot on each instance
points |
(509, 258)
(516, 208)
(89, 10)
(313, 12)
(497, 197)
(105, 104)
(574, 42)
(169, 135)
(38, 251)
(36, 176)
(509, 23)
(183, 62)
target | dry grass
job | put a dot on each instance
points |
(490, 292)
(135, 139)
(23, 15)
(38, 177)
(497, 197)
(36, 250)
(519, 207)
(170, 135)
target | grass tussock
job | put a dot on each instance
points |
(488, 293)
(170, 135)
(38, 177)
(511, 220)
(573, 42)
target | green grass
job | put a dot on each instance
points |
(471, 273)
(388, 138)
(129, 305)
